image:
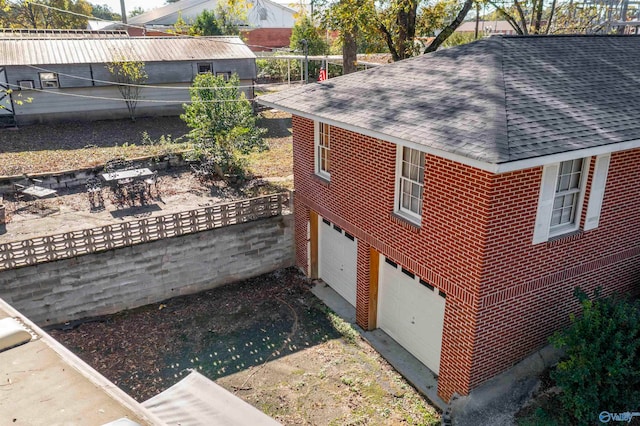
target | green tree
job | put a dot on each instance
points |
(433, 17)
(226, 20)
(304, 29)
(560, 17)
(601, 368)
(104, 12)
(129, 75)
(450, 27)
(46, 14)
(206, 24)
(222, 122)
(230, 16)
(394, 21)
(9, 95)
(136, 11)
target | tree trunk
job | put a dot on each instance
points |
(523, 20)
(538, 13)
(551, 13)
(475, 37)
(510, 19)
(389, 40)
(449, 29)
(349, 52)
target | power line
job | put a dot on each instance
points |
(104, 98)
(148, 86)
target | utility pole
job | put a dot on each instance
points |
(123, 11)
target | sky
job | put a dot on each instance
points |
(130, 4)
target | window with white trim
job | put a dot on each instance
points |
(410, 183)
(568, 195)
(25, 84)
(322, 150)
(49, 80)
(562, 193)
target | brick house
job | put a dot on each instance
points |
(456, 199)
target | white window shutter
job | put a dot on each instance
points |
(316, 140)
(598, 184)
(545, 203)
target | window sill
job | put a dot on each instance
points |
(563, 238)
(324, 180)
(405, 221)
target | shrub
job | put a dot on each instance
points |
(223, 126)
(277, 69)
(601, 371)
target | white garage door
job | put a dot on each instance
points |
(411, 312)
(337, 259)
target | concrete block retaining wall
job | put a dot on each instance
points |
(112, 281)
(75, 178)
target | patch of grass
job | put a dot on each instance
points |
(343, 327)
(346, 380)
(278, 160)
(42, 149)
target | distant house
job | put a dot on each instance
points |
(486, 28)
(65, 72)
(269, 23)
(456, 199)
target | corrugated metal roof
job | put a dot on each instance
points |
(21, 33)
(145, 49)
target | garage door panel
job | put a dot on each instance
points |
(337, 260)
(411, 314)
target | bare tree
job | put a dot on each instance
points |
(129, 75)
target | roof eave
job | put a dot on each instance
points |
(495, 168)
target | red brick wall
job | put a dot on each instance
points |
(534, 283)
(505, 296)
(267, 39)
(452, 229)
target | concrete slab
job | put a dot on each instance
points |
(416, 373)
(497, 401)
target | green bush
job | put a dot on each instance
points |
(601, 370)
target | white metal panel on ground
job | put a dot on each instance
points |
(411, 313)
(196, 400)
(338, 259)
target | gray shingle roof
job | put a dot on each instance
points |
(497, 100)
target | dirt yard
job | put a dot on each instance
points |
(61, 147)
(268, 340)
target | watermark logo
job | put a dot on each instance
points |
(606, 417)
